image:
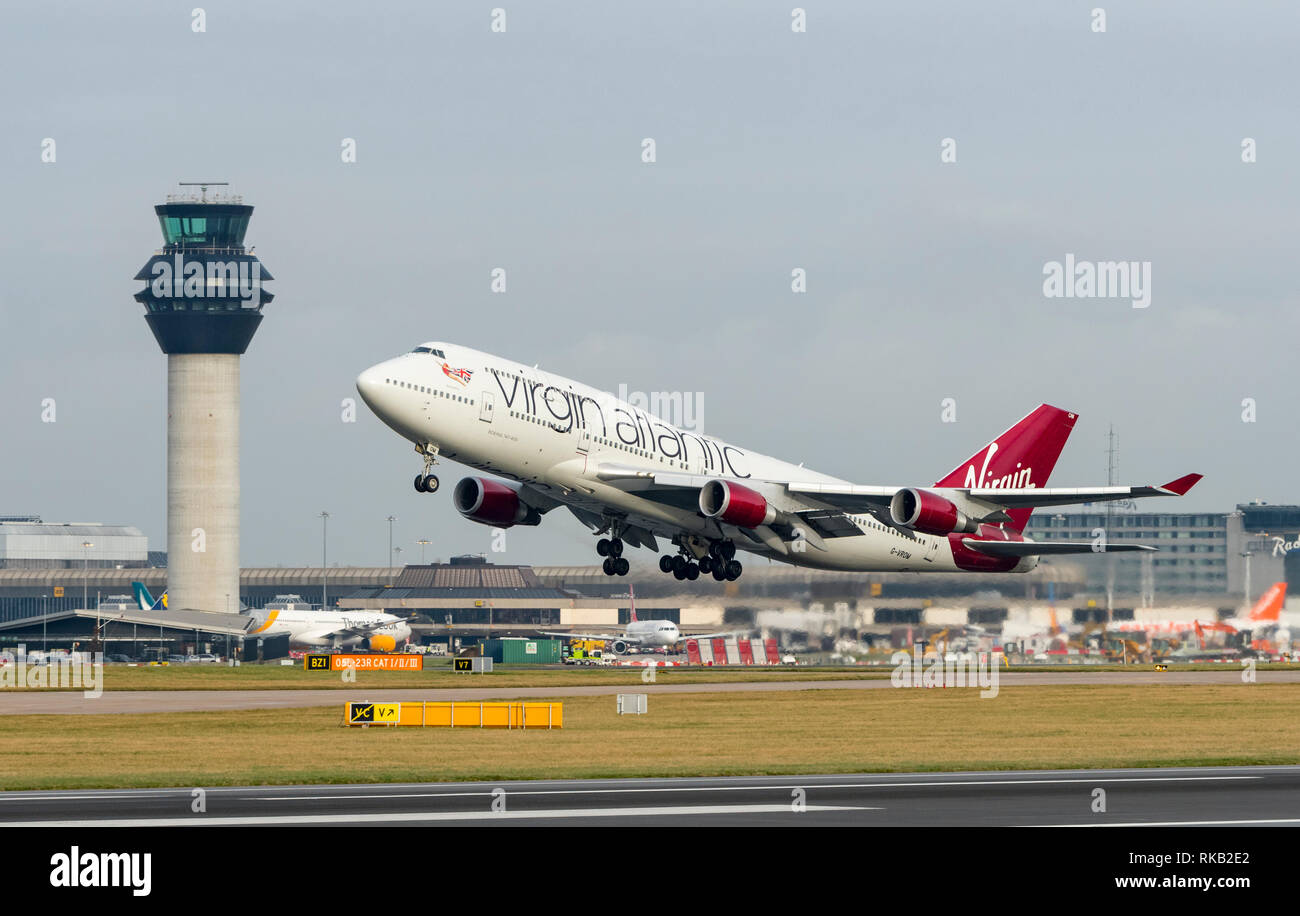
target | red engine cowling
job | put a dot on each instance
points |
(927, 512)
(491, 502)
(736, 505)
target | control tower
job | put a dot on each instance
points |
(203, 301)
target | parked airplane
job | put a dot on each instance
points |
(640, 634)
(329, 629)
(1266, 614)
(633, 477)
(332, 629)
(146, 600)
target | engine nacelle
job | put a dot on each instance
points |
(928, 513)
(619, 647)
(736, 505)
(491, 502)
(382, 642)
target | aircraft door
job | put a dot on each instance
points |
(486, 405)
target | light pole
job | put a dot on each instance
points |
(43, 647)
(391, 519)
(324, 528)
(423, 542)
(1247, 555)
(85, 570)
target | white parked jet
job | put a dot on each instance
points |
(633, 477)
(640, 634)
(332, 629)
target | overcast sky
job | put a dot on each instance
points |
(775, 150)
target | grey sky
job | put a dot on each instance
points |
(775, 150)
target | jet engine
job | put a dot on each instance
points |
(734, 504)
(928, 513)
(491, 502)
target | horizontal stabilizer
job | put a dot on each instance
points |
(1044, 548)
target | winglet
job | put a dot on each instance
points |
(1180, 486)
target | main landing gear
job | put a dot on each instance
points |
(718, 561)
(425, 481)
(612, 550)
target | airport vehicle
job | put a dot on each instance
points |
(311, 628)
(633, 478)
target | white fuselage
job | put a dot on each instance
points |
(552, 433)
(317, 629)
(653, 634)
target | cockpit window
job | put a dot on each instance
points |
(431, 350)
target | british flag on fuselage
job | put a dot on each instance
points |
(460, 375)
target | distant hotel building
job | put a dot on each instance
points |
(1198, 553)
(26, 542)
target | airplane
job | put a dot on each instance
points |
(1266, 613)
(311, 629)
(640, 634)
(636, 478)
(332, 629)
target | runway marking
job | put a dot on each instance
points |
(1278, 820)
(410, 816)
(845, 785)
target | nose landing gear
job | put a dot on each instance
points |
(425, 481)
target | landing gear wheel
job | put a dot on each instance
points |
(679, 574)
(734, 569)
(615, 547)
(679, 566)
(666, 563)
(728, 550)
(621, 566)
(692, 572)
(719, 574)
(430, 484)
(602, 547)
(419, 483)
(608, 566)
(706, 565)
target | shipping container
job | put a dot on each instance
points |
(522, 651)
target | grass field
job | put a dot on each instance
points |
(270, 677)
(683, 735)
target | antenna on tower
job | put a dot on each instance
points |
(203, 187)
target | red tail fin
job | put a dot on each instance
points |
(1269, 606)
(631, 601)
(1023, 456)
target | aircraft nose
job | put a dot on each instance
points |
(369, 385)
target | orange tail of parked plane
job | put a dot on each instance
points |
(1268, 609)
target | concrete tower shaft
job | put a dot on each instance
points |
(203, 481)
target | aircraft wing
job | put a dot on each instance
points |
(1044, 548)
(359, 629)
(606, 637)
(736, 633)
(853, 498)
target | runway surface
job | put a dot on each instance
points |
(26, 702)
(1205, 796)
